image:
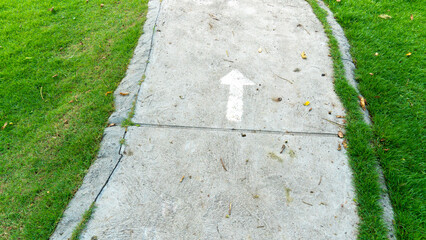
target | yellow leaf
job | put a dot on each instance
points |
(307, 103)
(408, 54)
(109, 92)
(124, 93)
(362, 102)
(384, 16)
(303, 55)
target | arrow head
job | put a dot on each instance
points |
(235, 78)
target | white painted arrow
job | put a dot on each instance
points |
(236, 81)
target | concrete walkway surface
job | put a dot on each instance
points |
(225, 145)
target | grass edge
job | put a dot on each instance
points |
(369, 209)
(83, 223)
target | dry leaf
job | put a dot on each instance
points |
(371, 74)
(408, 54)
(411, 17)
(277, 99)
(384, 16)
(52, 9)
(111, 125)
(4, 126)
(362, 103)
(340, 134)
(54, 75)
(339, 147)
(345, 144)
(337, 0)
(307, 103)
(303, 54)
(109, 92)
(340, 116)
(124, 93)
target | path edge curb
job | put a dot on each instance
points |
(110, 152)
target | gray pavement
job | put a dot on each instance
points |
(224, 146)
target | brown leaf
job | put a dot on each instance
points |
(111, 125)
(345, 144)
(340, 134)
(109, 92)
(339, 147)
(371, 74)
(340, 116)
(277, 99)
(411, 17)
(54, 75)
(4, 126)
(124, 93)
(52, 9)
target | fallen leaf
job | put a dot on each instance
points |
(307, 103)
(337, 0)
(111, 125)
(362, 102)
(102, 5)
(384, 16)
(411, 17)
(340, 116)
(340, 134)
(408, 54)
(4, 126)
(54, 75)
(124, 93)
(345, 144)
(386, 149)
(109, 92)
(371, 74)
(52, 9)
(277, 99)
(339, 147)
(376, 54)
(303, 54)
(344, 121)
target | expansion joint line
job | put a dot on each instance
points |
(242, 130)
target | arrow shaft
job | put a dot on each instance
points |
(235, 103)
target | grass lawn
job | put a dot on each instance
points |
(389, 54)
(56, 66)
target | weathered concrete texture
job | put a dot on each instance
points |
(302, 193)
(199, 42)
(136, 69)
(94, 181)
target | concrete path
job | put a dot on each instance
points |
(225, 147)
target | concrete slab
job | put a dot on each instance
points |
(225, 147)
(197, 43)
(257, 193)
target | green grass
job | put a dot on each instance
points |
(395, 94)
(82, 225)
(55, 68)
